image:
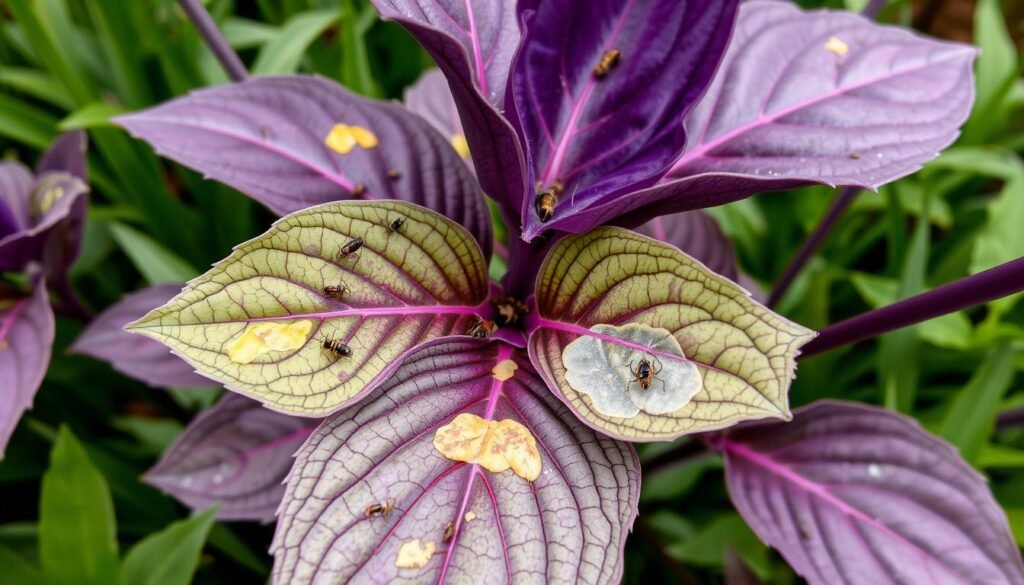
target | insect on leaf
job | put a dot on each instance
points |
(744, 353)
(293, 320)
(463, 465)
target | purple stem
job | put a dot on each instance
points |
(1001, 281)
(1013, 417)
(812, 243)
(207, 28)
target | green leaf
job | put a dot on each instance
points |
(157, 264)
(119, 42)
(267, 304)
(91, 115)
(708, 547)
(1002, 239)
(996, 68)
(152, 434)
(989, 161)
(77, 531)
(993, 456)
(616, 291)
(243, 33)
(48, 28)
(1016, 517)
(670, 484)
(355, 63)
(972, 417)
(15, 570)
(224, 540)
(37, 84)
(171, 556)
(283, 53)
(24, 123)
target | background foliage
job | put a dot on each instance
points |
(73, 466)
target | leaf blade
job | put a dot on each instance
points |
(171, 556)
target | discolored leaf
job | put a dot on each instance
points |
(259, 321)
(142, 359)
(814, 97)
(857, 494)
(697, 234)
(276, 139)
(236, 455)
(744, 352)
(568, 525)
(26, 338)
(602, 136)
(473, 44)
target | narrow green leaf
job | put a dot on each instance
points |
(91, 115)
(77, 531)
(243, 33)
(156, 264)
(992, 456)
(283, 53)
(25, 123)
(118, 39)
(37, 84)
(973, 414)
(990, 161)
(48, 29)
(1016, 517)
(995, 70)
(708, 547)
(15, 570)
(1001, 239)
(224, 540)
(171, 556)
(953, 330)
(355, 63)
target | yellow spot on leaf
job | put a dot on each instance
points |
(494, 445)
(267, 336)
(460, 145)
(837, 46)
(504, 370)
(470, 516)
(342, 139)
(413, 555)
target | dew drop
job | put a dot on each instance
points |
(875, 471)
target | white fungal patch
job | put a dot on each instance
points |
(608, 371)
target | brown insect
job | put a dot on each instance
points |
(509, 310)
(608, 61)
(337, 348)
(395, 225)
(449, 532)
(483, 328)
(547, 200)
(350, 251)
(335, 291)
(358, 190)
(645, 373)
(394, 175)
(855, 155)
(381, 509)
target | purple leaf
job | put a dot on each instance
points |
(697, 234)
(473, 43)
(856, 494)
(816, 97)
(15, 185)
(236, 454)
(431, 98)
(26, 338)
(563, 522)
(603, 136)
(67, 154)
(134, 356)
(268, 137)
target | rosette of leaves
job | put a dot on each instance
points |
(444, 456)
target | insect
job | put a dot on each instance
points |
(395, 225)
(335, 291)
(381, 509)
(337, 347)
(394, 175)
(358, 190)
(855, 155)
(509, 310)
(483, 328)
(547, 200)
(645, 373)
(350, 251)
(609, 60)
(449, 532)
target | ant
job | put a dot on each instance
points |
(335, 291)
(350, 251)
(645, 373)
(395, 225)
(337, 348)
(381, 509)
(482, 328)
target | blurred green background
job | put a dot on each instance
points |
(69, 64)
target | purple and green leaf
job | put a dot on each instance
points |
(293, 320)
(603, 136)
(289, 142)
(26, 339)
(698, 235)
(142, 359)
(745, 354)
(236, 454)
(456, 520)
(854, 493)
